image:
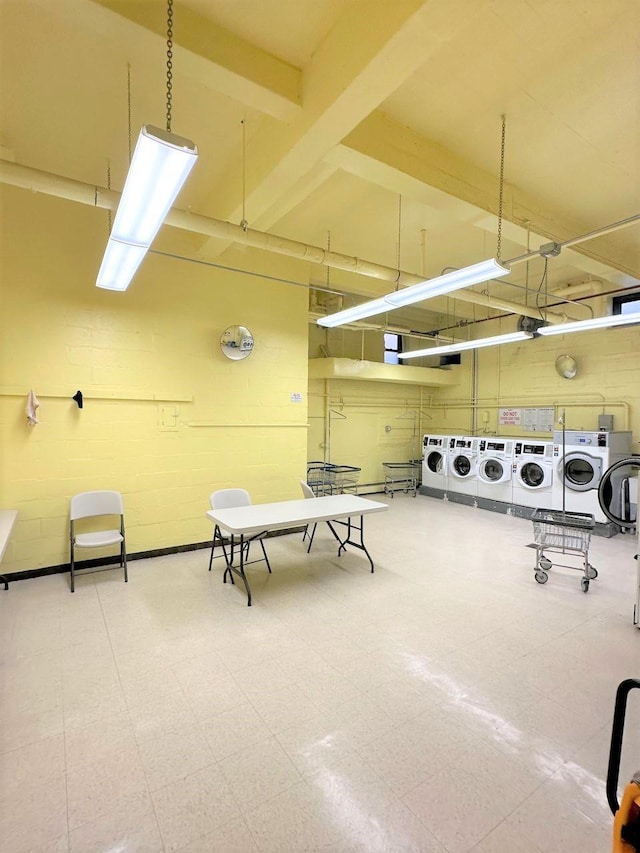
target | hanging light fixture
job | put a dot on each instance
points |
(447, 283)
(160, 165)
(418, 292)
(495, 340)
(594, 323)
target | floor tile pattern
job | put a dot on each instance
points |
(446, 703)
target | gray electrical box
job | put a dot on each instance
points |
(605, 423)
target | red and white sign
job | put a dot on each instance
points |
(510, 417)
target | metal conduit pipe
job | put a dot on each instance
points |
(36, 180)
(583, 288)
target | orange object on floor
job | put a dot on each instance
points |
(628, 815)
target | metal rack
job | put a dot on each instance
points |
(325, 478)
(562, 532)
(401, 477)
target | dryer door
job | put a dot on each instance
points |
(494, 471)
(581, 472)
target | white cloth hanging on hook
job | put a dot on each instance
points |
(32, 405)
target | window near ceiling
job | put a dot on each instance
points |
(392, 346)
(627, 304)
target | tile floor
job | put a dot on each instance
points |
(445, 703)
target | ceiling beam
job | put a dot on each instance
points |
(206, 52)
(362, 61)
(394, 156)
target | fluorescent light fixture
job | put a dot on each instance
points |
(358, 312)
(446, 283)
(593, 323)
(160, 165)
(455, 280)
(496, 340)
(119, 265)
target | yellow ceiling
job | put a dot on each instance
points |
(376, 122)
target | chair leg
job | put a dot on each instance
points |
(72, 565)
(123, 551)
(213, 545)
(217, 536)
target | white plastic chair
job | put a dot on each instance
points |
(225, 499)
(308, 492)
(94, 505)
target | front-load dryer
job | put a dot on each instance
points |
(578, 471)
(463, 466)
(435, 458)
(533, 473)
(495, 469)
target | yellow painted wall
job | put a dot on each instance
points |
(167, 419)
(517, 376)
(348, 420)
(524, 374)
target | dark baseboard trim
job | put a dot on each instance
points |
(114, 560)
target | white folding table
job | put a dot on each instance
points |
(7, 520)
(250, 522)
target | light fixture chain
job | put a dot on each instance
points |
(109, 187)
(129, 107)
(244, 224)
(501, 193)
(399, 238)
(328, 252)
(169, 60)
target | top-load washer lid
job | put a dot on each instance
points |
(580, 471)
(494, 471)
(532, 475)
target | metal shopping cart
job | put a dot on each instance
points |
(562, 532)
(325, 478)
(319, 478)
(401, 476)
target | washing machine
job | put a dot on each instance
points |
(435, 458)
(495, 469)
(533, 465)
(463, 466)
(587, 455)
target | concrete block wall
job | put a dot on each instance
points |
(167, 419)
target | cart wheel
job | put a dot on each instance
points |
(541, 577)
(592, 572)
(545, 564)
(584, 583)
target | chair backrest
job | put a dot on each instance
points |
(224, 498)
(87, 504)
(307, 491)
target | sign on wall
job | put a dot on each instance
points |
(538, 420)
(510, 417)
(531, 420)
